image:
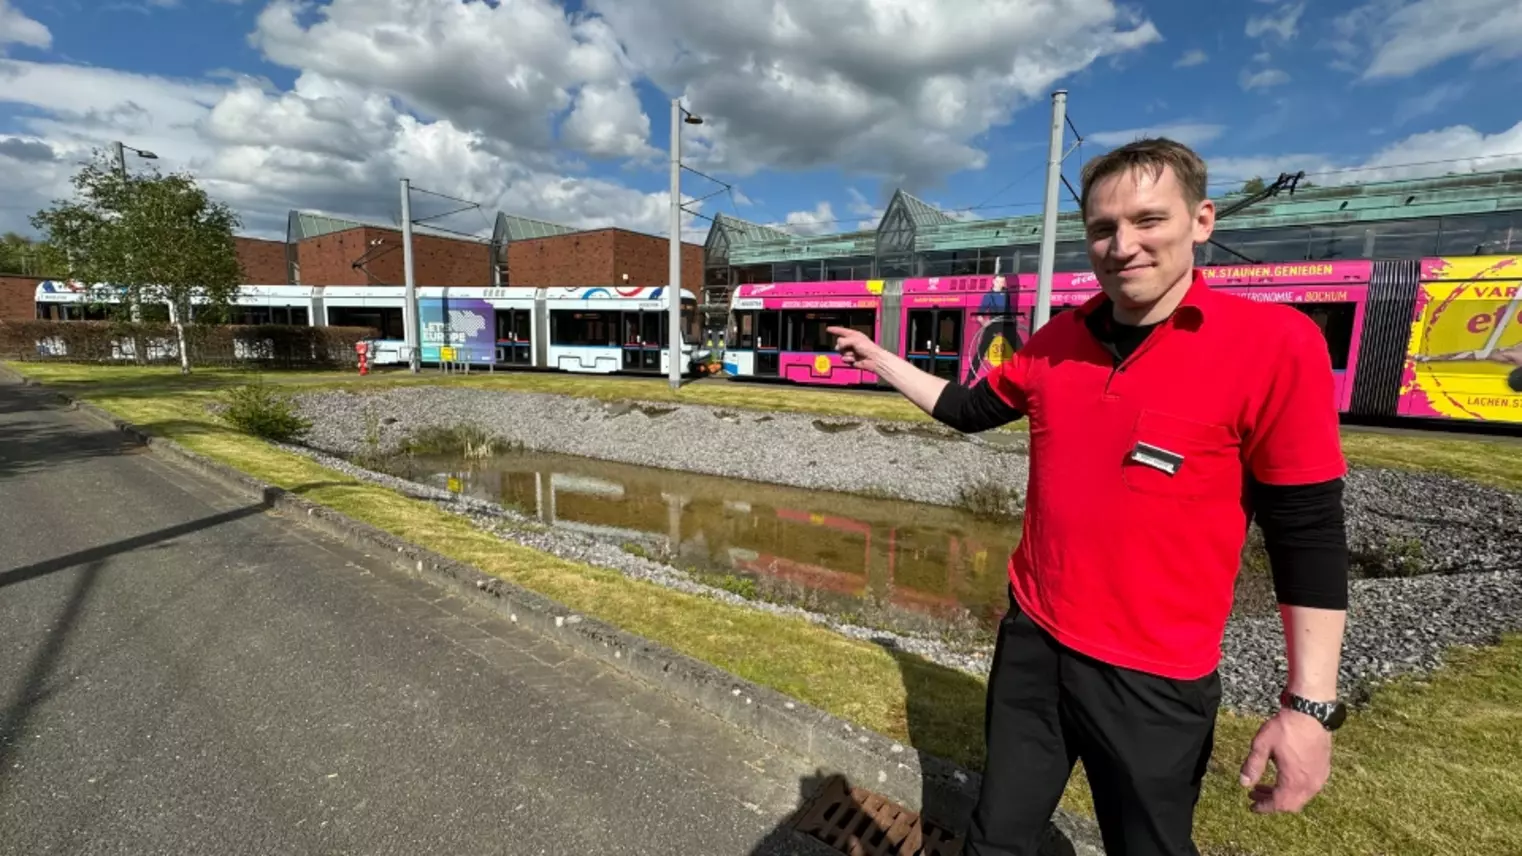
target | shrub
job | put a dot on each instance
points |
(263, 411)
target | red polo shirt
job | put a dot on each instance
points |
(1121, 560)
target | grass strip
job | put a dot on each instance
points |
(1429, 767)
(1488, 461)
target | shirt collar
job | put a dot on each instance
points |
(1190, 312)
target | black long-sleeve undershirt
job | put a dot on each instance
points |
(1304, 531)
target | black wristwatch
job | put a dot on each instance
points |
(1331, 714)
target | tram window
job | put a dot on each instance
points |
(653, 328)
(299, 316)
(591, 329)
(769, 330)
(631, 328)
(1336, 323)
(809, 329)
(744, 332)
(385, 320)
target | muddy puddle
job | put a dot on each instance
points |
(899, 565)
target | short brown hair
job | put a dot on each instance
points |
(1153, 155)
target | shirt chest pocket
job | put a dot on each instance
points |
(1181, 458)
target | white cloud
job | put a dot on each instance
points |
(1190, 134)
(1457, 149)
(1192, 58)
(607, 121)
(16, 28)
(892, 88)
(1398, 38)
(325, 144)
(1283, 22)
(506, 70)
(1265, 79)
(500, 102)
(820, 221)
(869, 215)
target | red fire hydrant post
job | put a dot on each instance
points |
(363, 349)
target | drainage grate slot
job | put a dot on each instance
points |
(858, 822)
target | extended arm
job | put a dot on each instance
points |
(1306, 540)
(996, 400)
(920, 387)
(973, 410)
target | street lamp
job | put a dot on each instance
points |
(674, 283)
(119, 151)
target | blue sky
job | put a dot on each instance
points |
(816, 112)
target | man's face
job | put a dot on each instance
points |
(1142, 233)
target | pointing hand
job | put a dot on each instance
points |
(856, 348)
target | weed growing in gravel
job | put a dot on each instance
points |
(989, 499)
(1396, 557)
(263, 411)
(463, 440)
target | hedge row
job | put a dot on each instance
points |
(271, 345)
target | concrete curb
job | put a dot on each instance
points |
(939, 789)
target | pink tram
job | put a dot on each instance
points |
(1419, 339)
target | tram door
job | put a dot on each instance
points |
(643, 335)
(514, 337)
(934, 343)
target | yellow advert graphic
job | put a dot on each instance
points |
(822, 364)
(1467, 343)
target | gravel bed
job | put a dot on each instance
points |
(827, 453)
(1454, 532)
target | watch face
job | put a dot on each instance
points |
(1336, 717)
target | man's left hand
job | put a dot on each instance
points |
(1302, 754)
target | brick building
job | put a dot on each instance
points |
(18, 298)
(600, 257)
(263, 261)
(322, 250)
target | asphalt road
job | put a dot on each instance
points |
(183, 673)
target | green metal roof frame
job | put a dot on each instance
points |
(933, 230)
(511, 227)
(301, 225)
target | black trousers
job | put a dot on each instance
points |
(1144, 741)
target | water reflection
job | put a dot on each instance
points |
(843, 553)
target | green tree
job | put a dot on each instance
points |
(22, 255)
(152, 239)
(1253, 185)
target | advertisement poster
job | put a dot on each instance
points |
(466, 325)
(1466, 341)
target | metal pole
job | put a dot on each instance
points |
(121, 159)
(674, 283)
(409, 311)
(1049, 219)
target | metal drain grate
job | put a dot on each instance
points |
(858, 822)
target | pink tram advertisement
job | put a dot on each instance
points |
(1435, 338)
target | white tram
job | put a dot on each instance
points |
(575, 329)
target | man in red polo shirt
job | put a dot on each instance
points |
(1163, 416)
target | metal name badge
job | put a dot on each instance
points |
(1157, 458)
